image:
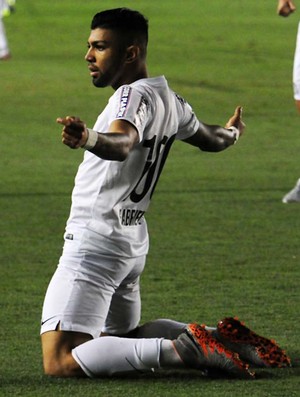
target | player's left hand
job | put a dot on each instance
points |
(236, 120)
(285, 8)
(74, 133)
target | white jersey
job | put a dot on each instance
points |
(110, 198)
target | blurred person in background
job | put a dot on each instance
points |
(6, 8)
(284, 9)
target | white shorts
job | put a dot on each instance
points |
(91, 293)
(296, 68)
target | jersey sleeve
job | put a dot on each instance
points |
(188, 123)
(132, 106)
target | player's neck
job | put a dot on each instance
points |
(132, 76)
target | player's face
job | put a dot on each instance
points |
(105, 57)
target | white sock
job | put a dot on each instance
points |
(169, 357)
(161, 328)
(110, 355)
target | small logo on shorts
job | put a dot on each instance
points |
(69, 236)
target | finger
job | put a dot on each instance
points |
(71, 138)
(292, 7)
(60, 120)
(64, 120)
(287, 9)
(236, 119)
(240, 124)
(238, 112)
(75, 119)
(68, 136)
(75, 124)
(70, 141)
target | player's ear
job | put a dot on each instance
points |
(132, 53)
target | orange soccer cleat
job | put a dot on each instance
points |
(252, 348)
(198, 349)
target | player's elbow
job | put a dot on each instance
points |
(214, 146)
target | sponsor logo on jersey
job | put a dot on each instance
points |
(124, 101)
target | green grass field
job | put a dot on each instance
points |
(222, 242)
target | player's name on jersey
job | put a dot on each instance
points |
(131, 217)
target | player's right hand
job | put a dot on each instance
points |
(74, 133)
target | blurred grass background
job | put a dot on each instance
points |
(222, 243)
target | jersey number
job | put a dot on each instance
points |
(153, 167)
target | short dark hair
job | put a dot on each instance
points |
(132, 25)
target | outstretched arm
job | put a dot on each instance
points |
(285, 8)
(113, 145)
(214, 138)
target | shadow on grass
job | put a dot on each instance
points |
(173, 377)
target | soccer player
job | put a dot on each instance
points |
(91, 313)
(285, 8)
(4, 50)
(6, 8)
